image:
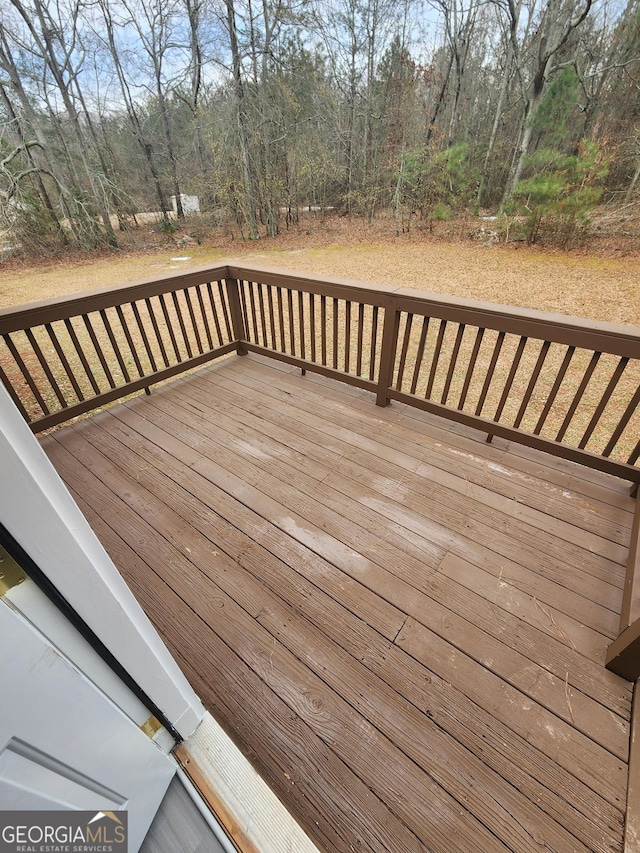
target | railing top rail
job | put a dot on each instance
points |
(62, 307)
(418, 301)
(491, 314)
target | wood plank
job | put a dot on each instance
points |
(299, 536)
(284, 749)
(392, 443)
(389, 481)
(357, 639)
(383, 764)
(551, 478)
(516, 667)
(558, 660)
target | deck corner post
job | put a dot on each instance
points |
(388, 351)
(237, 318)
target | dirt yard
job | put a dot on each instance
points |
(593, 286)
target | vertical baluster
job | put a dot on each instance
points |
(347, 335)
(64, 361)
(194, 322)
(622, 423)
(143, 335)
(404, 350)
(452, 363)
(595, 358)
(544, 349)
(183, 328)
(254, 316)
(114, 344)
(243, 308)
(81, 355)
(554, 390)
(622, 363)
(512, 373)
(292, 329)
(127, 334)
(374, 342)
(25, 372)
(203, 313)
(263, 314)
(360, 338)
(225, 311)
(471, 367)
(312, 324)
(98, 348)
(490, 373)
(436, 358)
(45, 366)
(272, 319)
(167, 319)
(335, 333)
(214, 314)
(635, 455)
(303, 352)
(419, 355)
(156, 331)
(323, 327)
(283, 345)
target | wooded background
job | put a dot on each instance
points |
(420, 108)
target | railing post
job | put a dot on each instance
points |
(388, 351)
(237, 319)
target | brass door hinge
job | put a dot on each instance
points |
(151, 727)
(11, 574)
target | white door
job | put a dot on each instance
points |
(63, 743)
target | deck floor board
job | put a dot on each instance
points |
(405, 636)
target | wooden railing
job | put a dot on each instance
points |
(67, 356)
(569, 387)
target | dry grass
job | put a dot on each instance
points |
(576, 284)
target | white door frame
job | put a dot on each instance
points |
(40, 514)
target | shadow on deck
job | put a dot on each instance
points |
(403, 627)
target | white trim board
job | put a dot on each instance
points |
(244, 804)
(38, 511)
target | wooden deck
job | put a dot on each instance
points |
(403, 627)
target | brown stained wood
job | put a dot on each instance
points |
(132, 347)
(405, 725)
(546, 686)
(622, 423)
(24, 370)
(606, 396)
(280, 744)
(382, 765)
(194, 322)
(44, 364)
(593, 363)
(453, 362)
(145, 339)
(203, 315)
(542, 355)
(156, 329)
(316, 444)
(214, 314)
(64, 361)
(490, 372)
(419, 354)
(523, 491)
(288, 524)
(512, 375)
(470, 367)
(442, 328)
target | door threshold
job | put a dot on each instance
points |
(252, 816)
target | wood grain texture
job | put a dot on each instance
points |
(403, 628)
